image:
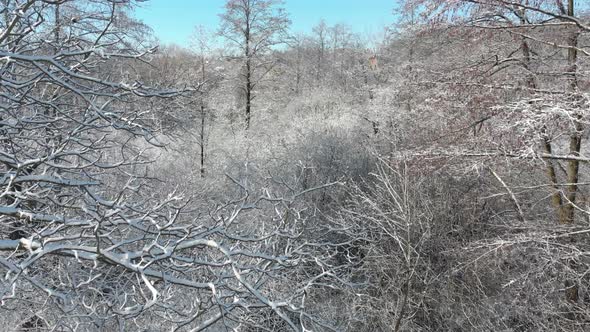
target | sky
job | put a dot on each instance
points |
(173, 21)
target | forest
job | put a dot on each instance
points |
(264, 180)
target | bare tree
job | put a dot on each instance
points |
(537, 31)
(321, 35)
(520, 81)
(253, 27)
(86, 243)
(208, 79)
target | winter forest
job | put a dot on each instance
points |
(264, 180)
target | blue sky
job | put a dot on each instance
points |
(173, 21)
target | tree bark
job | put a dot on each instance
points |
(248, 92)
(203, 114)
(573, 168)
(575, 145)
(202, 138)
(248, 54)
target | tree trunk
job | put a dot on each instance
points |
(202, 138)
(248, 92)
(203, 115)
(248, 53)
(556, 200)
(575, 146)
(531, 82)
(573, 168)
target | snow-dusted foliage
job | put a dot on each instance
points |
(432, 180)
